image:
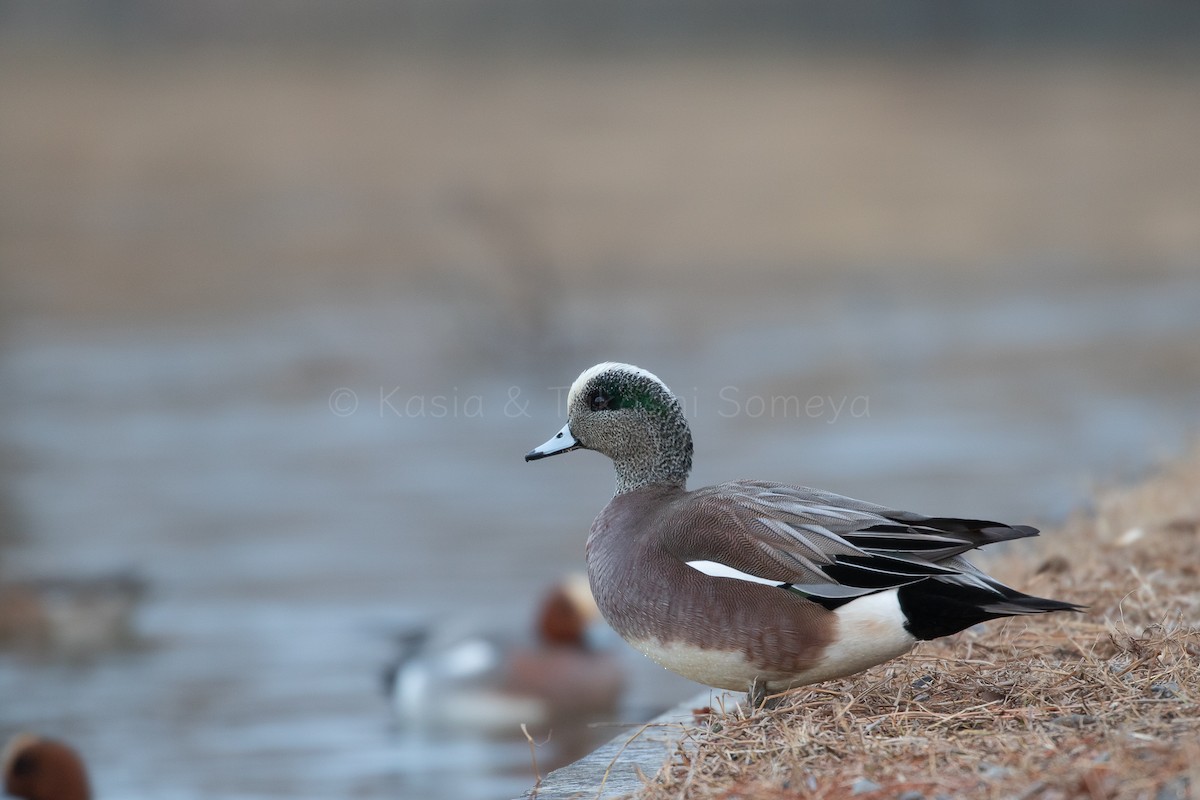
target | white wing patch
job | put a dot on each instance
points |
(718, 570)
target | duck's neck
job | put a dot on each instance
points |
(664, 459)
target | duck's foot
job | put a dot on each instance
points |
(757, 697)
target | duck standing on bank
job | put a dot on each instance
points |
(760, 586)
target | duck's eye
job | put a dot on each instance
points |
(598, 400)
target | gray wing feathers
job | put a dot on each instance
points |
(837, 547)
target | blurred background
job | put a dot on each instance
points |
(288, 289)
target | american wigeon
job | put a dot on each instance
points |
(72, 617)
(43, 769)
(443, 678)
(757, 585)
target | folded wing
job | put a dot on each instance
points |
(833, 548)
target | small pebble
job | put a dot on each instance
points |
(864, 785)
(1165, 690)
(1130, 536)
(1174, 790)
(911, 794)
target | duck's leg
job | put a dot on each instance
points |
(756, 694)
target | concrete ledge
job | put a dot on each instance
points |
(634, 753)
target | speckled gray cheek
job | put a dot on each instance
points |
(661, 447)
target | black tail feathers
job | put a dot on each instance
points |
(935, 608)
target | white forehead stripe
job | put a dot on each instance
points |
(718, 570)
(614, 366)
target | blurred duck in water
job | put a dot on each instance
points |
(449, 679)
(43, 769)
(72, 617)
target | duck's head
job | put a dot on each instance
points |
(568, 613)
(43, 769)
(629, 415)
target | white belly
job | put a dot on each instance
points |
(869, 631)
(723, 669)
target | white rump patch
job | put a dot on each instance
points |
(870, 630)
(718, 570)
(615, 366)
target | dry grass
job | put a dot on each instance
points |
(1104, 704)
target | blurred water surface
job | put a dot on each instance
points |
(278, 335)
(284, 537)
